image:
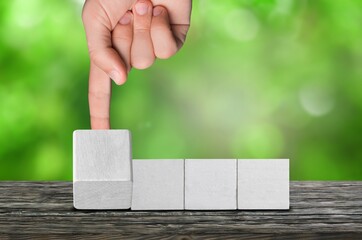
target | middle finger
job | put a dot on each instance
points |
(142, 54)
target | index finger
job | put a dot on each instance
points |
(99, 19)
(99, 96)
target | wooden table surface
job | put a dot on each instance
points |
(44, 210)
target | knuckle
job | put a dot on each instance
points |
(142, 63)
(121, 34)
(98, 95)
(99, 117)
(121, 38)
(167, 52)
(141, 30)
(164, 10)
(93, 54)
(97, 55)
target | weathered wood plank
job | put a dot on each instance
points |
(44, 210)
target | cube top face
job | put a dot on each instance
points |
(158, 184)
(102, 155)
(263, 184)
(210, 184)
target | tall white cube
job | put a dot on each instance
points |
(102, 174)
(158, 184)
(263, 184)
(210, 184)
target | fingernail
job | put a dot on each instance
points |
(126, 19)
(141, 8)
(115, 76)
(157, 11)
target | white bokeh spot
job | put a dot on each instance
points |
(316, 100)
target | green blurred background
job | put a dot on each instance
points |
(256, 79)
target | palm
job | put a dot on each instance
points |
(110, 12)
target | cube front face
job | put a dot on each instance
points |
(263, 184)
(158, 184)
(210, 184)
(102, 171)
(91, 195)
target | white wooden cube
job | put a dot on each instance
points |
(158, 184)
(263, 184)
(102, 174)
(210, 184)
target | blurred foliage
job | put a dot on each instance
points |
(256, 79)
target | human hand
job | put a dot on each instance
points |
(119, 39)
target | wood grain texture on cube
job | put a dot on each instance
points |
(210, 184)
(158, 184)
(102, 171)
(102, 155)
(102, 194)
(263, 184)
